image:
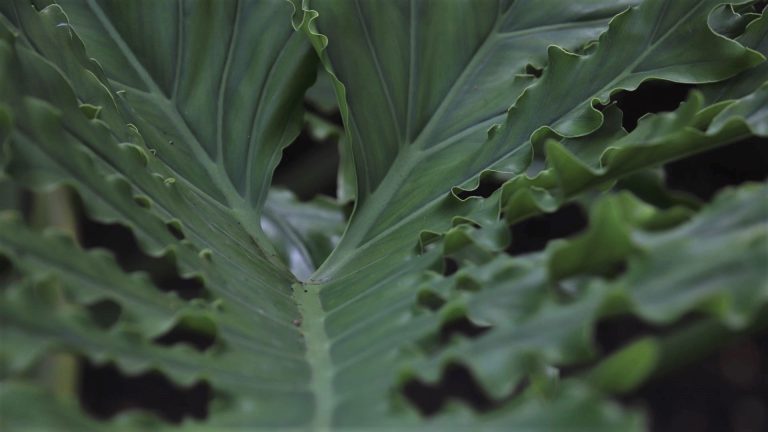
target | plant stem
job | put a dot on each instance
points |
(54, 209)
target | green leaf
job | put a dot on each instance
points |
(576, 165)
(451, 147)
(756, 37)
(303, 233)
(541, 315)
(626, 369)
(412, 83)
(170, 117)
(193, 87)
(121, 173)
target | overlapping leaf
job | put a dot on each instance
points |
(380, 233)
(181, 118)
(69, 126)
(541, 313)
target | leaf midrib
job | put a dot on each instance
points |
(318, 354)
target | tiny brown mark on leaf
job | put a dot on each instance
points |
(296, 322)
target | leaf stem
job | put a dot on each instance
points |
(54, 209)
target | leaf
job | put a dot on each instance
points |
(456, 154)
(541, 309)
(18, 397)
(752, 108)
(323, 130)
(625, 369)
(122, 180)
(388, 70)
(174, 127)
(267, 371)
(756, 37)
(576, 165)
(303, 233)
(250, 103)
(412, 197)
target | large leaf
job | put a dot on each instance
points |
(124, 176)
(180, 121)
(406, 190)
(416, 85)
(206, 75)
(458, 150)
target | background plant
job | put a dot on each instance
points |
(460, 119)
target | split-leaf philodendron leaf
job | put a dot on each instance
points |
(170, 118)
